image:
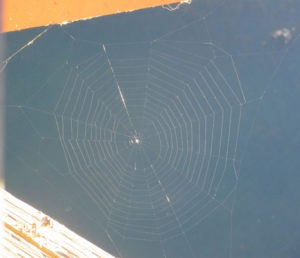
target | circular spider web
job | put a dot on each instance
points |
(140, 144)
(157, 125)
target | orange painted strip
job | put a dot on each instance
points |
(20, 14)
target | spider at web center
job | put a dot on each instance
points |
(135, 139)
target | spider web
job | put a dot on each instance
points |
(187, 136)
(150, 133)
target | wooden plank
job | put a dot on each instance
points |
(30, 240)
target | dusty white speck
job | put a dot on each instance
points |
(284, 33)
(168, 199)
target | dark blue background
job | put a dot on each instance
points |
(265, 217)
